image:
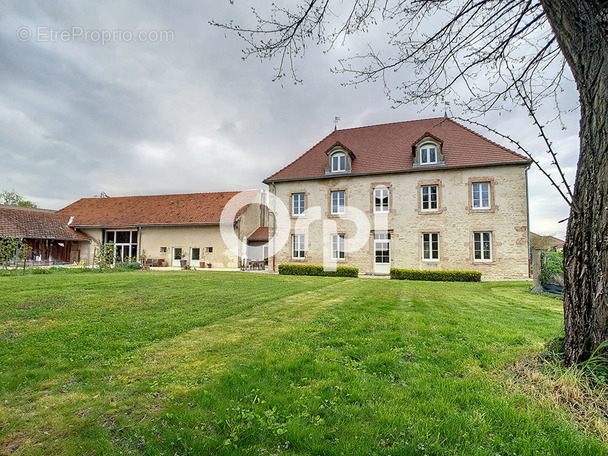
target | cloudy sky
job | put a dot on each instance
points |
(167, 105)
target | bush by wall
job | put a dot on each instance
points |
(552, 269)
(437, 276)
(310, 270)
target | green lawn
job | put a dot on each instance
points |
(238, 363)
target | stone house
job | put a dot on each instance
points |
(427, 194)
(169, 228)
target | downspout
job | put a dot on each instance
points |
(528, 221)
(139, 243)
(274, 226)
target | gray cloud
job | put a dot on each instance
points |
(182, 115)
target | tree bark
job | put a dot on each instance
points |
(581, 29)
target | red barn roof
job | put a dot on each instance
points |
(388, 148)
(154, 210)
(30, 223)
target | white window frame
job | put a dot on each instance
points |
(430, 240)
(337, 247)
(425, 154)
(428, 198)
(378, 196)
(298, 246)
(300, 207)
(338, 162)
(482, 246)
(382, 243)
(339, 198)
(480, 195)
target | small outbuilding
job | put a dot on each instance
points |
(49, 237)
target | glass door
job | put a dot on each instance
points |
(382, 253)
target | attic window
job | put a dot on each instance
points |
(338, 162)
(428, 154)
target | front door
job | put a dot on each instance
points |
(382, 253)
(177, 256)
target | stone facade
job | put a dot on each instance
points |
(454, 220)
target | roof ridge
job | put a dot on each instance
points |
(391, 123)
(22, 208)
(487, 139)
(169, 194)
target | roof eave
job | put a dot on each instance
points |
(139, 225)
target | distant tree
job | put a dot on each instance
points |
(485, 55)
(12, 198)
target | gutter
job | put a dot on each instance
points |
(528, 220)
(274, 227)
(401, 171)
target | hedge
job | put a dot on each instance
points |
(437, 276)
(309, 270)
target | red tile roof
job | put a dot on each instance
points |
(387, 148)
(261, 234)
(29, 223)
(155, 210)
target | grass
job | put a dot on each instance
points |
(237, 363)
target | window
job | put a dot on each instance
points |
(208, 249)
(196, 254)
(382, 250)
(428, 154)
(298, 248)
(481, 195)
(381, 200)
(337, 247)
(337, 202)
(482, 246)
(125, 243)
(338, 162)
(298, 201)
(163, 249)
(430, 246)
(429, 197)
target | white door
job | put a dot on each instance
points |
(382, 253)
(177, 256)
(195, 257)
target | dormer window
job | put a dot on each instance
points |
(338, 162)
(428, 151)
(428, 154)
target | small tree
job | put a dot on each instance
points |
(8, 247)
(105, 254)
(13, 250)
(23, 249)
(12, 198)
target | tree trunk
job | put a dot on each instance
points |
(581, 29)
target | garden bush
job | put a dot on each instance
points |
(310, 270)
(436, 276)
(552, 269)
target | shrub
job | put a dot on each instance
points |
(310, 270)
(132, 266)
(436, 276)
(552, 269)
